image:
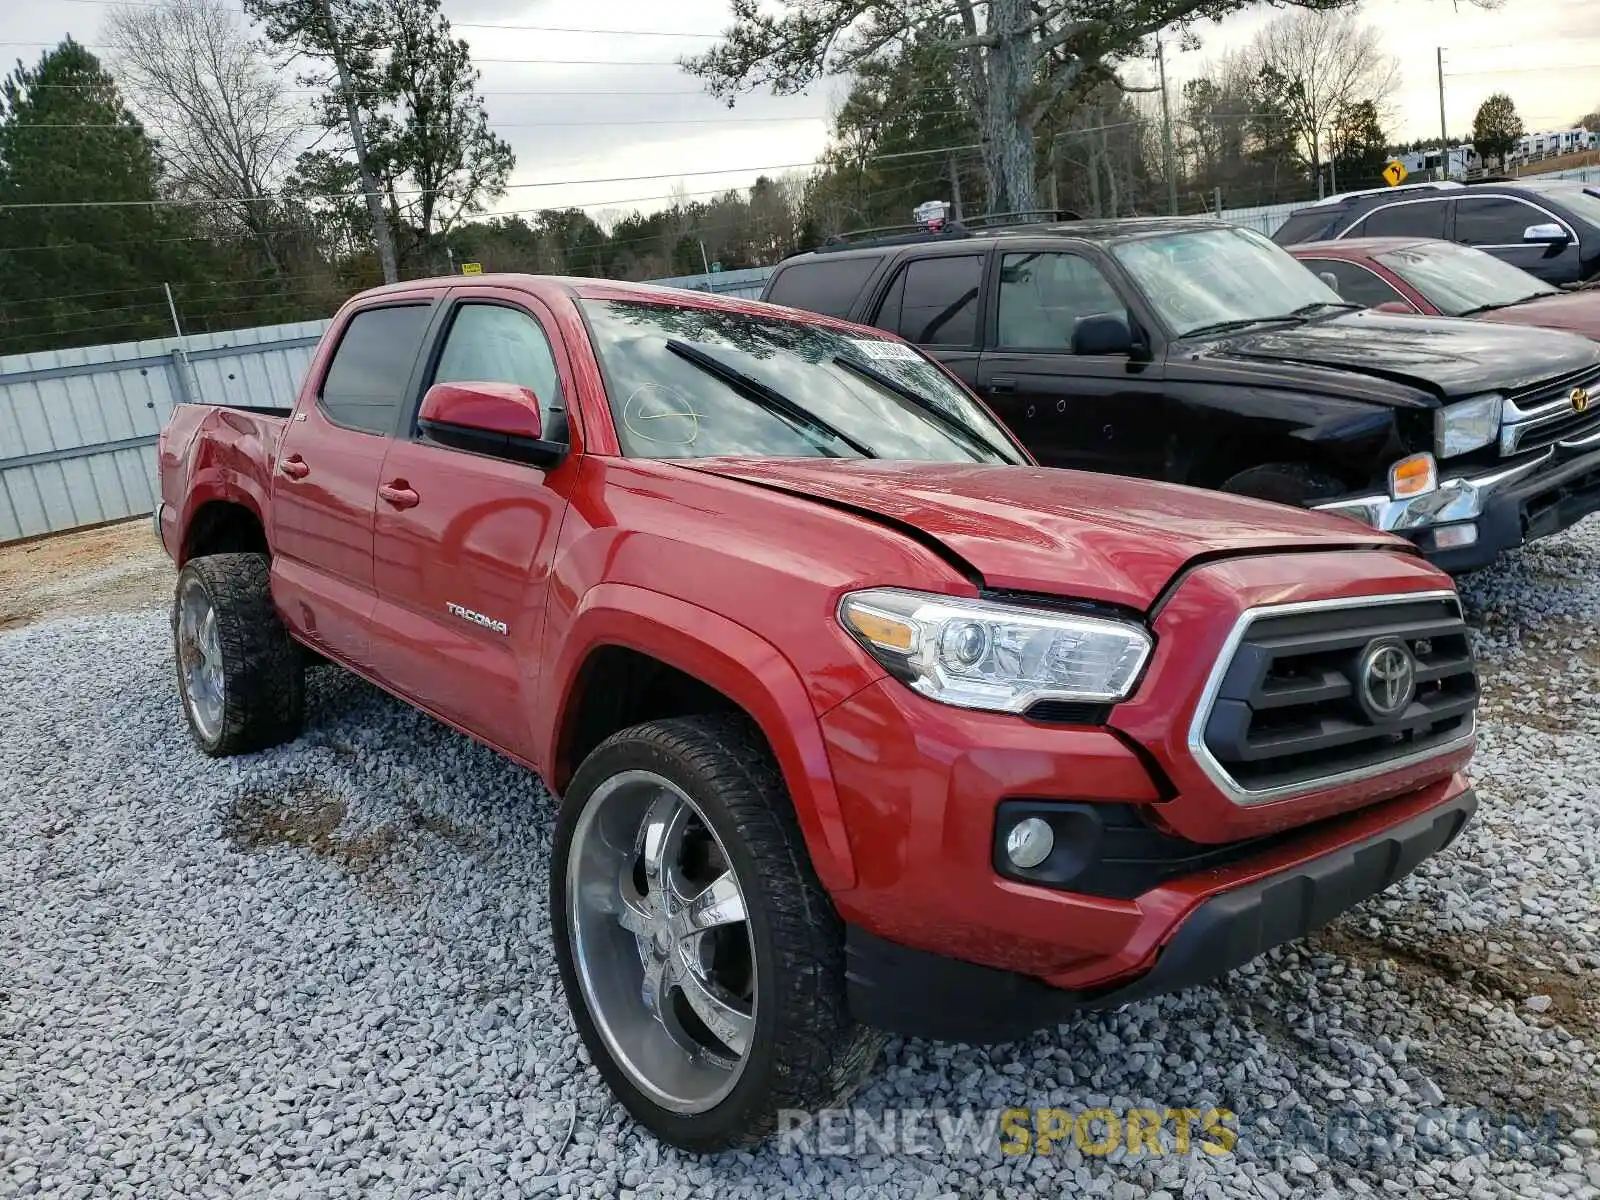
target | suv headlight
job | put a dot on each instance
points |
(1466, 425)
(1000, 657)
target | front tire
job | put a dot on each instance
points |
(240, 675)
(702, 961)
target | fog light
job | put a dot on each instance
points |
(1450, 537)
(1029, 843)
(1414, 476)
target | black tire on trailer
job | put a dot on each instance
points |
(1286, 483)
(240, 675)
(702, 960)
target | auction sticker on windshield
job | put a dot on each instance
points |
(885, 351)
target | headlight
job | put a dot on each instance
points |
(1000, 657)
(1467, 425)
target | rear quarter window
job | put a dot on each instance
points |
(826, 286)
(1303, 227)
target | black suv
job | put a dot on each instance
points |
(1548, 228)
(1200, 353)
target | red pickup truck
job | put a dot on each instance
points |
(859, 721)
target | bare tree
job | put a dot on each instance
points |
(226, 123)
(1322, 64)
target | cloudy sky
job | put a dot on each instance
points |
(606, 120)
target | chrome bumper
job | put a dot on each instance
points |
(1459, 498)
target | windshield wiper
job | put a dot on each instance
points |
(1298, 317)
(1483, 308)
(922, 404)
(771, 399)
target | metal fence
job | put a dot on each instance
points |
(78, 427)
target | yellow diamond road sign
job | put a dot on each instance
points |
(1395, 174)
(472, 268)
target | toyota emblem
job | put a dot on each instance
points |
(1579, 398)
(1387, 679)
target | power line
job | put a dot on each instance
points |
(669, 33)
(497, 124)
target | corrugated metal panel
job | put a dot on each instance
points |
(78, 426)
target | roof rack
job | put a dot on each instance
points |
(1438, 185)
(898, 235)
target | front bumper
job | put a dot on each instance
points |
(1469, 520)
(919, 994)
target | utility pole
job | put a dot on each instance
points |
(1444, 133)
(1166, 131)
(173, 309)
(955, 190)
(358, 141)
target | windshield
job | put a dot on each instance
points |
(1213, 277)
(695, 382)
(1575, 198)
(1458, 279)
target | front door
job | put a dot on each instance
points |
(1090, 412)
(463, 542)
(1497, 224)
(326, 478)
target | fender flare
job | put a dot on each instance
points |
(735, 661)
(219, 485)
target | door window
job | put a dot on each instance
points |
(1494, 220)
(1044, 296)
(491, 343)
(1419, 218)
(934, 301)
(1355, 284)
(366, 381)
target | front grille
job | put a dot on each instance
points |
(1541, 416)
(1290, 711)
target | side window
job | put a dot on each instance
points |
(1355, 284)
(1494, 220)
(1043, 296)
(934, 301)
(490, 343)
(366, 381)
(1419, 218)
(827, 286)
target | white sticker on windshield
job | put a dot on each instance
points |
(886, 351)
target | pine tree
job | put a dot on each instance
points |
(90, 270)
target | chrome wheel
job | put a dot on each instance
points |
(661, 941)
(200, 659)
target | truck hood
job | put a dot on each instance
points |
(1071, 533)
(1576, 312)
(1445, 357)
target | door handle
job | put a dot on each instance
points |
(1003, 384)
(294, 467)
(399, 494)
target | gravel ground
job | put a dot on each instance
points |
(326, 971)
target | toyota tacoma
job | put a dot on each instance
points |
(858, 720)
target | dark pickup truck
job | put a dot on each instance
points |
(1197, 352)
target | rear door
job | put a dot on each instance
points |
(459, 533)
(326, 481)
(1092, 412)
(1497, 225)
(936, 301)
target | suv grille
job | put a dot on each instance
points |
(1316, 694)
(1543, 415)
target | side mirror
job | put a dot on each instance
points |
(1394, 306)
(1549, 234)
(1102, 333)
(499, 419)
(1329, 278)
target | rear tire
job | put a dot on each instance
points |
(779, 1035)
(1286, 483)
(240, 675)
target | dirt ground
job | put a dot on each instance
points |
(115, 568)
